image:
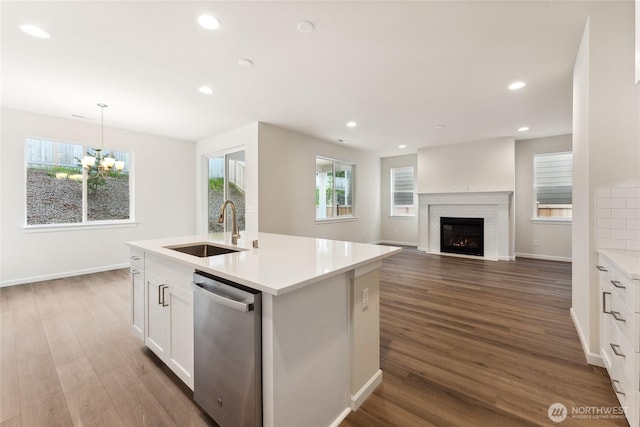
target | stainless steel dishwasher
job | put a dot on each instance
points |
(227, 351)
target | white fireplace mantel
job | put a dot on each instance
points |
(494, 206)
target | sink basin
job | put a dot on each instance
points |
(202, 250)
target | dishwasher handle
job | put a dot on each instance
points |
(223, 300)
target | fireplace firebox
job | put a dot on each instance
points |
(462, 236)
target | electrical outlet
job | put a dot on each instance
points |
(536, 242)
(365, 298)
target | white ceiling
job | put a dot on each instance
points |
(397, 68)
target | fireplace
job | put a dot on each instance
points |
(462, 235)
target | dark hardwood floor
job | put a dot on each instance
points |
(464, 343)
(469, 342)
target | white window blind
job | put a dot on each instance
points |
(402, 191)
(553, 184)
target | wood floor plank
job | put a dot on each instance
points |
(9, 390)
(13, 422)
(468, 342)
(47, 411)
(41, 399)
(135, 404)
(86, 397)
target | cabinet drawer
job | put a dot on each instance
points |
(626, 287)
(619, 353)
(170, 271)
(625, 320)
(136, 258)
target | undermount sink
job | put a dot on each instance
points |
(202, 250)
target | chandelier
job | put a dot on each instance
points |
(100, 164)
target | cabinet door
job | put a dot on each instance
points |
(181, 333)
(136, 299)
(156, 327)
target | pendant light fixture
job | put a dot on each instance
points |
(105, 163)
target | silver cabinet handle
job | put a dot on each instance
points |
(162, 288)
(134, 271)
(601, 268)
(616, 315)
(134, 257)
(604, 302)
(616, 350)
(616, 389)
(160, 295)
(617, 284)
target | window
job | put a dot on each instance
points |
(553, 185)
(225, 181)
(59, 191)
(334, 189)
(402, 193)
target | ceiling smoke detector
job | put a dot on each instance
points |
(245, 63)
(306, 26)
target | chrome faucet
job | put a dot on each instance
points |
(234, 232)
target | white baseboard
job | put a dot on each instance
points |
(592, 358)
(544, 257)
(53, 276)
(462, 255)
(366, 390)
(340, 417)
(397, 243)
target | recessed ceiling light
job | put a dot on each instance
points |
(306, 26)
(402, 146)
(34, 31)
(517, 85)
(209, 22)
(440, 126)
(245, 63)
(523, 129)
(205, 89)
(351, 124)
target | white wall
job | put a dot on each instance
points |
(475, 166)
(163, 190)
(538, 239)
(287, 187)
(397, 229)
(246, 138)
(605, 146)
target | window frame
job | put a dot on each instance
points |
(536, 218)
(334, 207)
(392, 205)
(85, 223)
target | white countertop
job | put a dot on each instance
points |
(625, 260)
(281, 264)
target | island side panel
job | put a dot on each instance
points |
(365, 332)
(306, 355)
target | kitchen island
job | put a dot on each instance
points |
(320, 316)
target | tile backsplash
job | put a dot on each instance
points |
(618, 218)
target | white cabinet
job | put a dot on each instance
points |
(156, 330)
(136, 293)
(169, 315)
(620, 334)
